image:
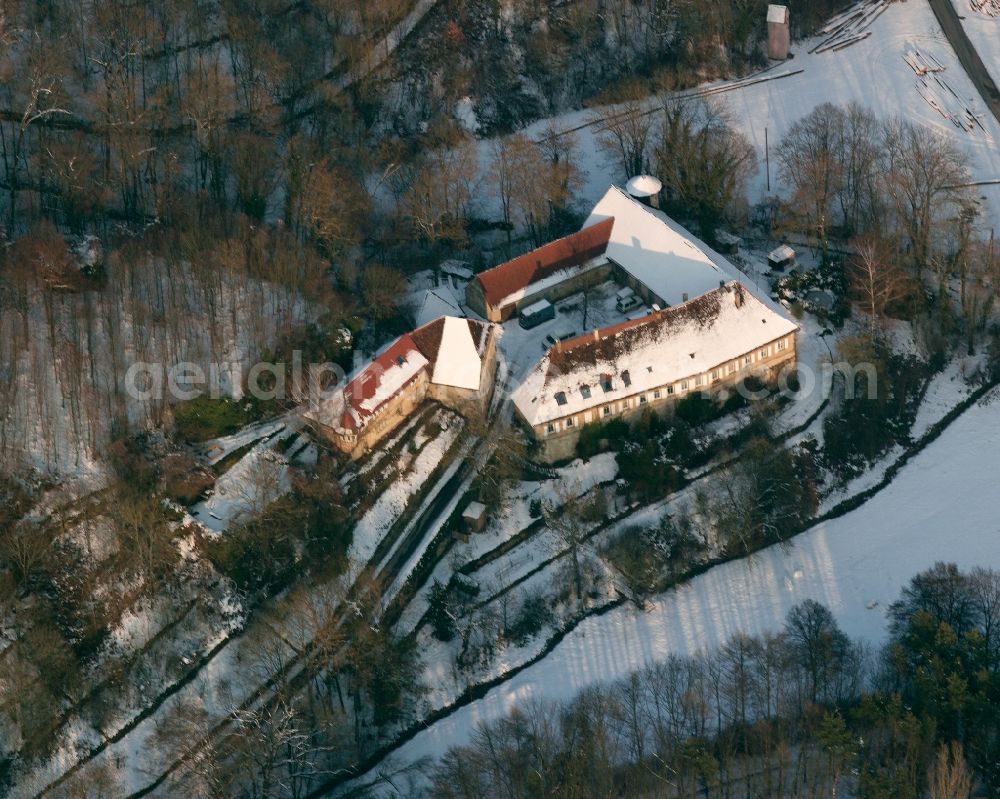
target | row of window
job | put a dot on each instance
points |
(660, 393)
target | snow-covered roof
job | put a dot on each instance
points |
(777, 13)
(450, 349)
(435, 303)
(548, 265)
(474, 510)
(656, 255)
(782, 253)
(643, 186)
(643, 354)
(460, 269)
(458, 363)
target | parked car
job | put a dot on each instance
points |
(536, 313)
(627, 303)
(554, 338)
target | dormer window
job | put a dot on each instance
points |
(560, 398)
(626, 378)
(585, 391)
(606, 383)
(400, 360)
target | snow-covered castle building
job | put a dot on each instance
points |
(623, 239)
(707, 330)
(451, 360)
(704, 345)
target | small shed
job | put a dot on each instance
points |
(454, 274)
(728, 243)
(458, 271)
(474, 517)
(781, 258)
(779, 38)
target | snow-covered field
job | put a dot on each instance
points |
(943, 506)
(872, 72)
(984, 32)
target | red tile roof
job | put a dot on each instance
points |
(366, 384)
(501, 281)
(608, 343)
(424, 340)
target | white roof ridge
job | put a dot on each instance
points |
(663, 224)
(458, 362)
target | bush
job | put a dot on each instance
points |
(593, 434)
(183, 480)
(697, 409)
(262, 555)
(441, 620)
(647, 470)
(205, 418)
(645, 557)
(255, 559)
(863, 429)
(530, 620)
(131, 459)
(589, 443)
(635, 561)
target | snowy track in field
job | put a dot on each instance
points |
(856, 565)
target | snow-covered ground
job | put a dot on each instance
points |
(574, 478)
(391, 503)
(947, 388)
(522, 348)
(944, 505)
(872, 72)
(984, 32)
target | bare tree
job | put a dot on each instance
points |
(924, 177)
(383, 288)
(437, 199)
(623, 133)
(324, 200)
(263, 481)
(145, 535)
(703, 161)
(859, 151)
(571, 518)
(809, 165)
(984, 586)
(25, 547)
(949, 776)
(876, 278)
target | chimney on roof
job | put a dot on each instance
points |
(684, 297)
(739, 297)
(597, 334)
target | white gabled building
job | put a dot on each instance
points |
(659, 263)
(451, 360)
(712, 341)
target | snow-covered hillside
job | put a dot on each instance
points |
(873, 72)
(855, 564)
